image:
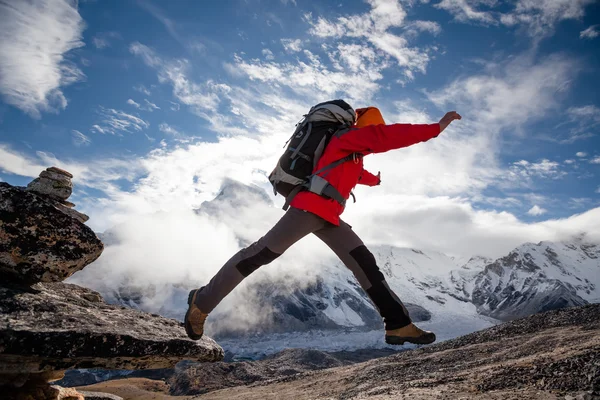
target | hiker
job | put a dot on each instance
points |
(317, 210)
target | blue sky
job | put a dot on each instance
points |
(152, 104)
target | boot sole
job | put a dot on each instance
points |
(188, 329)
(397, 340)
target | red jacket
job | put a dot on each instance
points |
(344, 177)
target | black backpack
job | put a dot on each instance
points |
(294, 170)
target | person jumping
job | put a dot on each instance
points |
(315, 207)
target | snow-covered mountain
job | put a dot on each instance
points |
(452, 295)
(537, 277)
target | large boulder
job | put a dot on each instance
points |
(39, 242)
(57, 326)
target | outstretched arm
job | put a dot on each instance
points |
(382, 138)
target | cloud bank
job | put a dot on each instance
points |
(35, 37)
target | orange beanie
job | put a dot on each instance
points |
(368, 116)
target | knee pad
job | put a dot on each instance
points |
(366, 262)
(252, 263)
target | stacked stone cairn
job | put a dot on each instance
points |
(55, 184)
(49, 326)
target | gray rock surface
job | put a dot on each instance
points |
(56, 326)
(38, 242)
(197, 378)
(550, 355)
(53, 182)
(68, 209)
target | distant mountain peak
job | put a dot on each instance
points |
(237, 194)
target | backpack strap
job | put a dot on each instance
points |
(304, 139)
(320, 185)
(334, 164)
(317, 185)
(291, 196)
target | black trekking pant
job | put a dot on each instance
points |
(293, 226)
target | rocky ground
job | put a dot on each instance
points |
(555, 355)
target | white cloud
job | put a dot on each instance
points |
(169, 24)
(590, 33)
(292, 45)
(133, 103)
(34, 39)
(116, 121)
(99, 129)
(372, 29)
(142, 89)
(408, 113)
(544, 169)
(540, 17)
(466, 10)
(595, 160)
(268, 54)
(570, 161)
(311, 79)
(147, 106)
(536, 211)
(510, 94)
(452, 226)
(201, 97)
(175, 106)
(424, 26)
(580, 123)
(17, 163)
(100, 43)
(579, 203)
(598, 190)
(102, 39)
(589, 112)
(585, 111)
(581, 154)
(79, 139)
(168, 129)
(495, 104)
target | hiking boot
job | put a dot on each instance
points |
(409, 333)
(194, 318)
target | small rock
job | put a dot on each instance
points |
(70, 212)
(61, 393)
(60, 171)
(67, 204)
(99, 396)
(53, 182)
(92, 297)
